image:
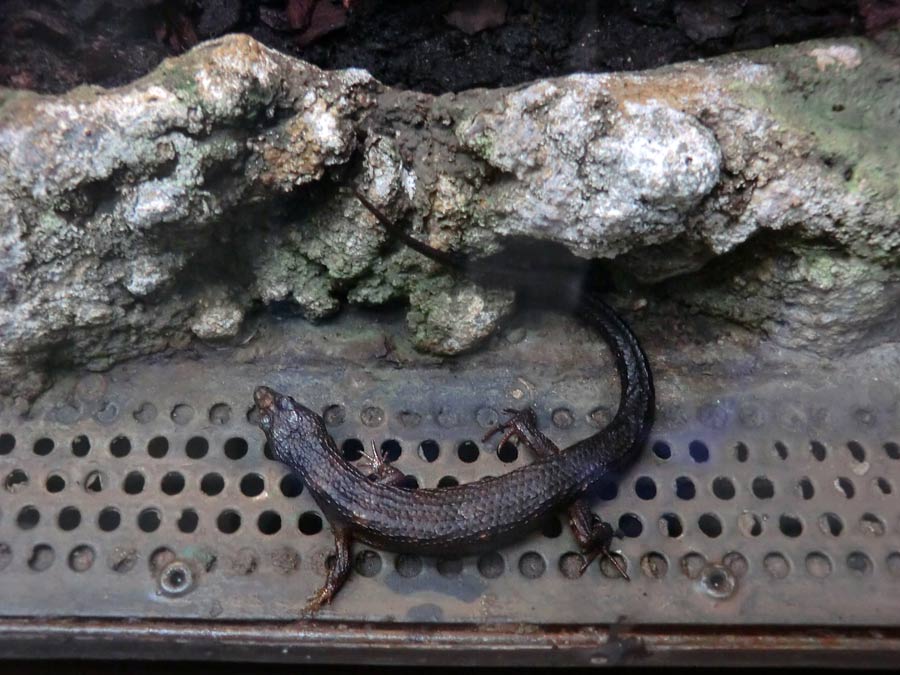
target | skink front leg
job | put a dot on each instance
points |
(592, 533)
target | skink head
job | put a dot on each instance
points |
(286, 423)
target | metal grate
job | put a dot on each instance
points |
(146, 492)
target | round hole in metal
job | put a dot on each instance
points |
(892, 450)
(81, 558)
(269, 522)
(883, 485)
(805, 488)
(607, 490)
(81, 446)
(158, 447)
(7, 443)
(188, 521)
(149, 520)
(43, 446)
(777, 565)
(28, 517)
(309, 523)
(750, 524)
(723, 488)
(252, 485)
(291, 486)
(409, 483)
(741, 452)
(429, 450)
(781, 450)
(654, 565)
(367, 563)
(15, 480)
(670, 525)
(120, 447)
(570, 564)
(447, 481)
(41, 557)
(818, 451)
(532, 565)
(408, 565)
(69, 518)
(236, 448)
(160, 557)
(892, 561)
(352, 449)
(467, 451)
(736, 562)
(55, 483)
(845, 487)
(857, 452)
(229, 521)
(212, 484)
(762, 488)
(831, 524)
(182, 414)
(662, 450)
(551, 528)
(334, 414)
(859, 563)
(630, 525)
(710, 525)
(451, 567)
(790, 525)
(645, 488)
(692, 564)
(109, 519)
(871, 525)
(95, 481)
(684, 488)
(491, 565)
(507, 452)
(818, 565)
(145, 413)
(172, 483)
(391, 449)
(698, 451)
(220, 414)
(196, 447)
(133, 483)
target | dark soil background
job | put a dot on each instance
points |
(448, 45)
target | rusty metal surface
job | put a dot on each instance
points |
(761, 500)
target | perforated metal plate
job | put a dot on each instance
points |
(764, 497)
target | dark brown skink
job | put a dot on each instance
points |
(473, 517)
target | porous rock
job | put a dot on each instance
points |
(761, 188)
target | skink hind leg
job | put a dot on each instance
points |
(337, 573)
(592, 533)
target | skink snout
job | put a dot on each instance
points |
(265, 398)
